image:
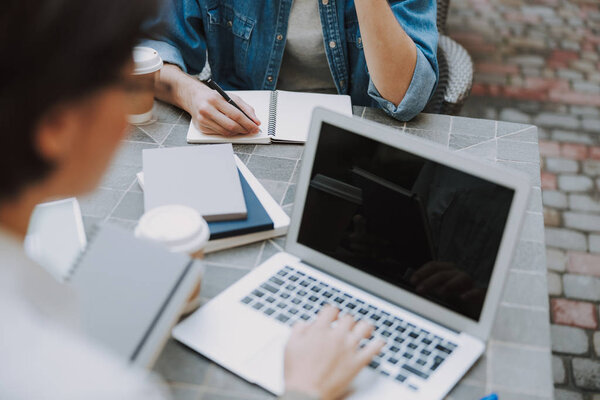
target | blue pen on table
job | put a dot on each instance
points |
(214, 86)
(491, 397)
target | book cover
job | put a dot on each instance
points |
(258, 219)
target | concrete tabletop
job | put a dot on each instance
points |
(517, 363)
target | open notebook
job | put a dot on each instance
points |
(285, 116)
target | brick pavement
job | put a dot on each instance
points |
(538, 62)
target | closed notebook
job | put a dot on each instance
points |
(201, 177)
(253, 229)
(257, 220)
(131, 292)
(285, 116)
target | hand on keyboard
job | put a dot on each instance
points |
(322, 359)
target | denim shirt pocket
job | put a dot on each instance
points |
(353, 35)
(233, 30)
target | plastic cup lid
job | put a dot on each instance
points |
(180, 228)
(146, 60)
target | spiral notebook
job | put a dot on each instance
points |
(285, 116)
(131, 292)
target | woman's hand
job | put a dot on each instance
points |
(322, 359)
(213, 115)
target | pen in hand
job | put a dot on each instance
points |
(214, 86)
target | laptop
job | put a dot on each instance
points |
(430, 291)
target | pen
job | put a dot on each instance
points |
(214, 86)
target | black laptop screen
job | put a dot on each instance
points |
(423, 226)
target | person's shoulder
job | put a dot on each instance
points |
(42, 360)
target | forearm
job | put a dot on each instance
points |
(390, 53)
(177, 87)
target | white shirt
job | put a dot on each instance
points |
(42, 354)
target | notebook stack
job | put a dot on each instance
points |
(214, 181)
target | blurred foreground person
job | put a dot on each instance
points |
(63, 103)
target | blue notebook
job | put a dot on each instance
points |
(258, 219)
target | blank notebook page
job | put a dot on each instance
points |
(294, 112)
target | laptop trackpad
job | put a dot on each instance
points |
(265, 367)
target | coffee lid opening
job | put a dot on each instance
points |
(180, 228)
(147, 60)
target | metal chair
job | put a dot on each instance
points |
(456, 70)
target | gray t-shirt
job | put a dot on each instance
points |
(305, 66)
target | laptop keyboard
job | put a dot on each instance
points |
(291, 295)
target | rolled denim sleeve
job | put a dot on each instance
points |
(177, 35)
(418, 18)
(421, 87)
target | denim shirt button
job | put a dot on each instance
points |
(270, 78)
(229, 24)
(279, 37)
(332, 44)
(325, 2)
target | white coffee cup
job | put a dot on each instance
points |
(148, 64)
(179, 228)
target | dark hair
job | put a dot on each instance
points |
(55, 52)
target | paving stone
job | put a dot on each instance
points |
(570, 136)
(575, 183)
(586, 373)
(562, 394)
(569, 340)
(591, 124)
(582, 287)
(574, 151)
(583, 263)
(583, 202)
(514, 115)
(554, 284)
(556, 199)
(565, 239)
(597, 343)
(556, 260)
(558, 370)
(574, 313)
(549, 149)
(548, 181)
(594, 243)
(591, 167)
(552, 217)
(561, 165)
(556, 121)
(581, 221)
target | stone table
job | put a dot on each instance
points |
(517, 363)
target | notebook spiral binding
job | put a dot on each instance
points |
(90, 238)
(273, 113)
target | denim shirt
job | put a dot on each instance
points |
(245, 41)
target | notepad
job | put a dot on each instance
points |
(257, 220)
(253, 229)
(285, 116)
(131, 292)
(202, 177)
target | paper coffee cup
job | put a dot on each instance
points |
(182, 230)
(147, 67)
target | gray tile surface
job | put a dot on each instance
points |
(517, 361)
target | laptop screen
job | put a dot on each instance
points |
(422, 226)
